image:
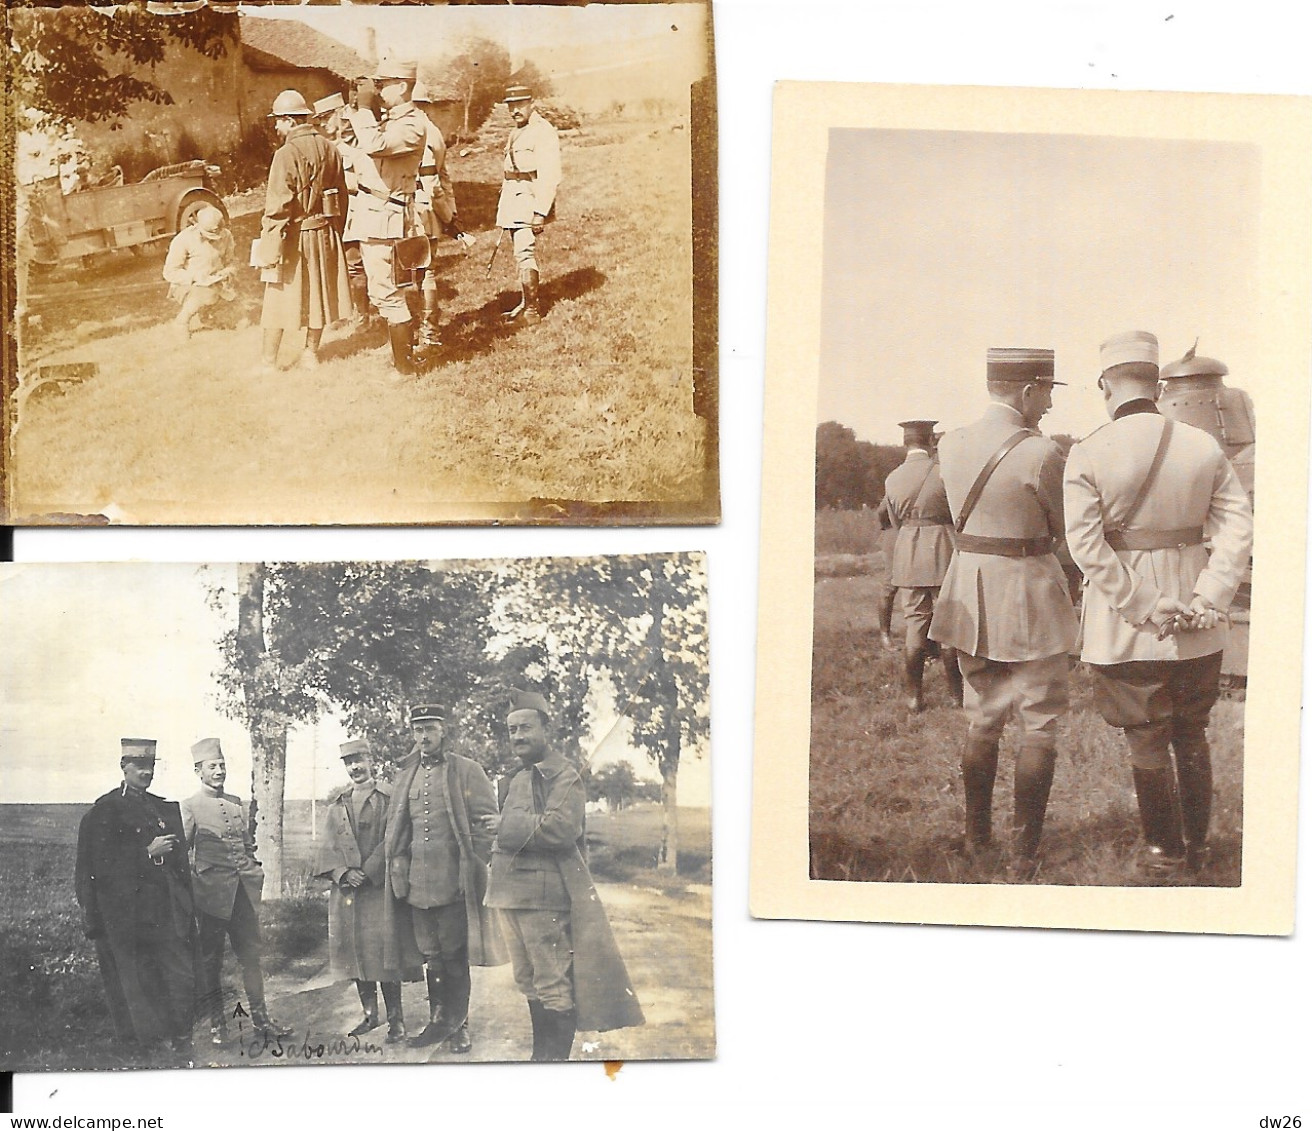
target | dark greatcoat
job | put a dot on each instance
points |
(469, 797)
(357, 941)
(139, 913)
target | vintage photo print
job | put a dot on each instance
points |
(1015, 387)
(360, 264)
(355, 813)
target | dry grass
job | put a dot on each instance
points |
(846, 532)
(595, 404)
(885, 794)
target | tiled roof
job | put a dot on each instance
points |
(271, 43)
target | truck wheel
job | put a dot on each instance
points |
(194, 202)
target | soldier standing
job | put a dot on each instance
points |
(352, 858)
(300, 235)
(887, 591)
(1142, 492)
(228, 882)
(384, 206)
(918, 510)
(134, 887)
(528, 192)
(1004, 605)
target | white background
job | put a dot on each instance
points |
(873, 1025)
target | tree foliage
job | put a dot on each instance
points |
(616, 782)
(91, 64)
(850, 473)
(479, 74)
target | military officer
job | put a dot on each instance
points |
(1142, 493)
(565, 959)
(300, 242)
(352, 858)
(531, 172)
(918, 510)
(384, 209)
(227, 881)
(134, 887)
(887, 591)
(437, 849)
(1004, 605)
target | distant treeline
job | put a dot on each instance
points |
(850, 473)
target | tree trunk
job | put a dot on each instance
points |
(268, 733)
(668, 860)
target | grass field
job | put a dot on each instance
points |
(593, 405)
(52, 1008)
(885, 789)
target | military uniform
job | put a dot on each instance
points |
(918, 510)
(531, 177)
(228, 882)
(437, 849)
(564, 956)
(138, 910)
(888, 591)
(1004, 604)
(1154, 510)
(198, 267)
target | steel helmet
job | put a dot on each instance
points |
(290, 103)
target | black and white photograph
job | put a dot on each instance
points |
(355, 813)
(1039, 381)
(361, 265)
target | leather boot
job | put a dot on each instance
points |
(887, 596)
(395, 1014)
(455, 1003)
(953, 673)
(267, 1025)
(368, 992)
(1160, 819)
(559, 1038)
(536, 1016)
(427, 341)
(979, 769)
(914, 668)
(1034, 772)
(533, 308)
(439, 1028)
(400, 335)
(360, 301)
(1193, 767)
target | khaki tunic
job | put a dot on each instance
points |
(1195, 487)
(918, 509)
(217, 829)
(531, 167)
(395, 145)
(1006, 609)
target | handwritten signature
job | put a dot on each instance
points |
(308, 1048)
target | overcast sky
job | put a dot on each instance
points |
(96, 653)
(938, 245)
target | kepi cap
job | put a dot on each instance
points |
(137, 749)
(355, 748)
(329, 103)
(1024, 366)
(206, 748)
(427, 713)
(1134, 347)
(517, 93)
(528, 701)
(917, 433)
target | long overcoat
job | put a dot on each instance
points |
(470, 797)
(1005, 608)
(357, 919)
(1195, 488)
(313, 289)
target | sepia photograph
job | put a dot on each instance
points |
(1039, 372)
(360, 264)
(355, 813)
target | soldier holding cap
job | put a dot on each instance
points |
(351, 856)
(918, 510)
(134, 888)
(384, 210)
(437, 849)
(1004, 605)
(228, 882)
(300, 234)
(1142, 493)
(565, 959)
(531, 172)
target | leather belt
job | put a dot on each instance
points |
(521, 175)
(313, 223)
(1004, 547)
(400, 202)
(1154, 539)
(428, 170)
(917, 521)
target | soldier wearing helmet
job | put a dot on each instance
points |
(300, 245)
(384, 212)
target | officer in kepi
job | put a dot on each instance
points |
(1161, 527)
(133, 884)
(383, 213)
(528, 193)
(1004, 605)
(918, 510)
